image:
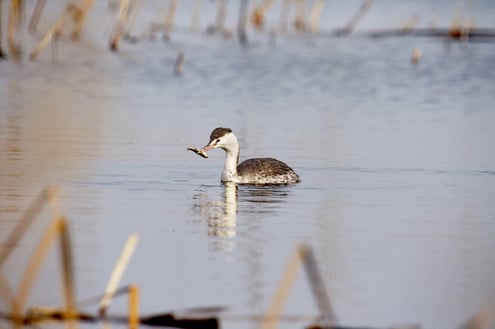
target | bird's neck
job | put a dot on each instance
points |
(229, 173)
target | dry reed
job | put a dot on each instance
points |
(170, 17)
(315, 15)
(242, 22)
(58, 230)
(483, 319)
(123, 15)
(278, 301)
(2, 53)
(68, 274)
(357, 17)
(179, 63)
(317, 285)
(303, 254)
(74, 13)
(24, 222)
(16, 302)
(133, 307)
(258, 15)
(117, 273)
(38, 9)
(13, 22)
(299, 22)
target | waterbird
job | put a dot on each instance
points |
(251, 171)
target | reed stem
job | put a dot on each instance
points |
(169, 19)
(38, 9)
(119, 26)
(286, 282)
(242, 24)
(12, 23)
(68, 273)
(133, 307)
(33, 266)
(2, 53)
(117, 273)
(23, 224)
(328, 317)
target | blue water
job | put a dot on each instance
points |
(396, 161)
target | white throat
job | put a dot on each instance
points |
(229, 173)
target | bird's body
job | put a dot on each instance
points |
(266, 171)
(251, 171)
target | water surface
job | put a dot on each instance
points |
(396, 161)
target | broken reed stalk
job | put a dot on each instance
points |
(258, 16)
(67, 273)
(53, 199)
(15, 235)
(482, 319)
(24, 223)
(119, 26)
(303, 254)
(286, 282)
(117, 273)
(169, 19)
(328, 317)
(79, 16)
(33, 266)
(299, 23)
(133, 307)
(40, 315)
(242, 24)
(179, 63)
(134, 8)
(58, 229)
(72, 12)
(38, 9)
(52, 33)
(6, 292)
(357, 17)
(12, 23)
(2, 53)
(315, 14)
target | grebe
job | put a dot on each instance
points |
(252, 171)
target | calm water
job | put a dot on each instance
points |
(397, 162)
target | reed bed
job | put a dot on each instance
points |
(306, 21)
(19, 314)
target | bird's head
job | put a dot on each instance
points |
(221, 138)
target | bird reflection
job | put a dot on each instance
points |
(221, 215)
(223, 222)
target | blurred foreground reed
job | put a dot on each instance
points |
(18, 313)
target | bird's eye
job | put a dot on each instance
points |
(218, 140)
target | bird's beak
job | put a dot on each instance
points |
(207, 147)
